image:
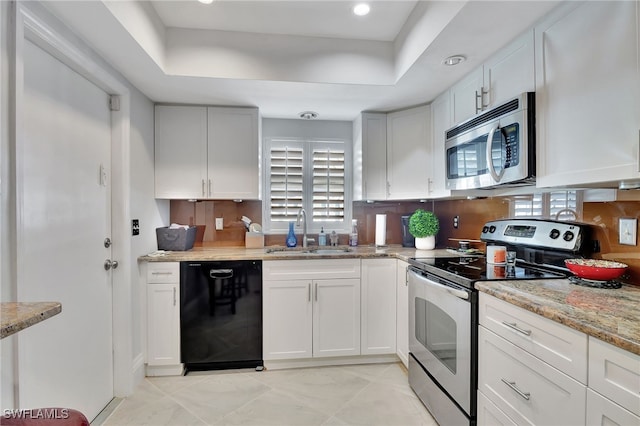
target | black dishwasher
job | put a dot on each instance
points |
(221, 314)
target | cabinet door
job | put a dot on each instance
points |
(511, 71)
(378, 306)
(287, 319)
(336, 317)
(603, 411)
(180, 151)
(374, 156)
(233, 154)
(490, 415)
(440, 122)
(464, 101)
(402, 313)
(163, 324)
(588, 94)
(408, 161)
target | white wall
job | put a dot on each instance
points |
(141, 202)
(275, 127)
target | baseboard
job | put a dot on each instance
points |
(165, 370)
(324, 362)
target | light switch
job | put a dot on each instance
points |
(219, 224)
(627, 230)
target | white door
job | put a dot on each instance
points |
(378, 307)
(64, 163)
(336, 317)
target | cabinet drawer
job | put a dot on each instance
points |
(615, 373)
(163, 272)
(490, 415)
(317, 269)
(526, 389)
(601, 411)
(554, 343)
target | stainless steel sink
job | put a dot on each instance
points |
(279, 251)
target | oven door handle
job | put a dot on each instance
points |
(492, 170)
(460, 294)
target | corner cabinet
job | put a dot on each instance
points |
(311, 308)
(588, 94)
(206, 152)
(163, 319)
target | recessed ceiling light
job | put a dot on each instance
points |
(454, 60)
(206, 1)
(361, 9)
(308, 115)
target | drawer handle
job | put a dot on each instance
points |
(161, 273)
(515, 327)
(513, 386)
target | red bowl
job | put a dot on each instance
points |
(595, 269)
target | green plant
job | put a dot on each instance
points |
(423, 224)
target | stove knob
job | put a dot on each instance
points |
(492, 229)
(568, 236)
(554, 234)
(485, 229)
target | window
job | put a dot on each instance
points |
(309, 174)
(560, 205)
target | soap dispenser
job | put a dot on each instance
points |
(322, 238)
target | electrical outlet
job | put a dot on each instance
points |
(627, 231)
(219, 224)
(135, 227)
(456, 221)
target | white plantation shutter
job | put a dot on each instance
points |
(286, 184)
(562, 204)
(328, 185)
(309, 174)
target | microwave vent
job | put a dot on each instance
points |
(496, 112)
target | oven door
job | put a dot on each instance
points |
(440, 334)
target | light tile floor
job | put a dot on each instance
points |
(377, 394)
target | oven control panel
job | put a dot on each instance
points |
(549, 234)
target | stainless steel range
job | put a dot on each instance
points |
(443, 316)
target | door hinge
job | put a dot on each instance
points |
(114, 103)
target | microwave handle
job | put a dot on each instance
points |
(492, 170)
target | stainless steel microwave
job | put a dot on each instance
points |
(494, 148)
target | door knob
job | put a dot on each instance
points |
(110, 264)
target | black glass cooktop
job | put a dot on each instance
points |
(476, 269)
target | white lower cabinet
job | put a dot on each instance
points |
(402, 313)
(163, 319)
(378, 306)
(535, 371)
(309, 310)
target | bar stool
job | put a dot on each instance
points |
(221, 279)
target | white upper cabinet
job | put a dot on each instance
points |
(207, 152)
(370, 157)
(180, 151)
(408, 156)
(506, 74)
(440, 122)
(588, 94)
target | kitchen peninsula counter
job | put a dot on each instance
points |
(611, 315)
(16, 316)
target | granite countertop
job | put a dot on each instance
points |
(611, 315)
(283, 253)
(16, 316)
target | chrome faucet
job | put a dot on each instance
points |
(305, 240)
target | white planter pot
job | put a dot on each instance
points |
(426, 243)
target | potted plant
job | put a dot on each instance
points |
(424, 226)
